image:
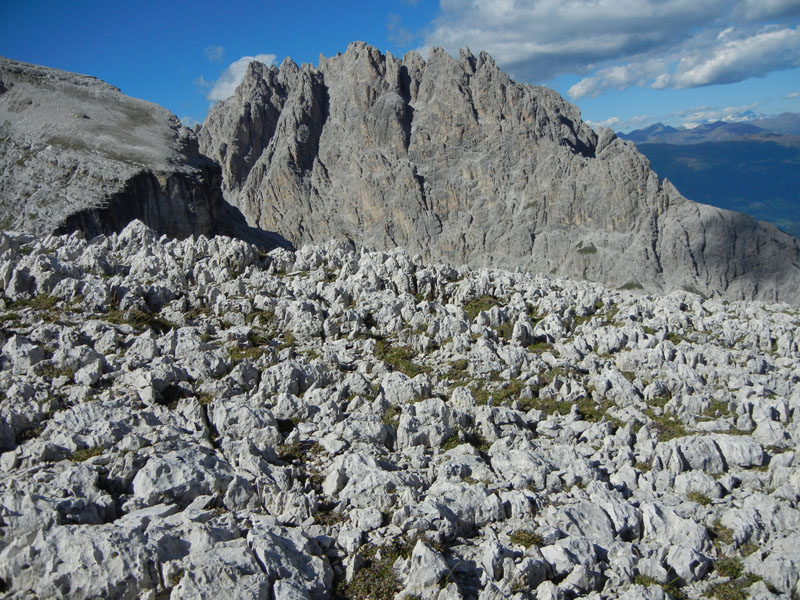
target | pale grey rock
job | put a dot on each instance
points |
(400, 389)
(78, 154)
(759, 516)
(547, 590)
(524, 464)
(580, 581)
(273, 473)
(583, 519)
(178, 476)
(662, 523)
(288, 555)
(462, 462)
(366, 519)
(688, 564)
(426, 567)
(22, 354)
(778, 564)
(229, 571)
(450, 158)
(640, 592)
(689, 453)
(698, 483)
(79, 561)
(740, 451)
(560, 559)
(350, 540)
(412, 431)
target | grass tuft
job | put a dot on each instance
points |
(399, 358)
(86, 454)
(484, 303)
(526, 538)
(376, 579)
(699, 498)
(672, 588)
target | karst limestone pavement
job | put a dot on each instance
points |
(195, 418)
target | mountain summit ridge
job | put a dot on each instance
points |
(452, 159)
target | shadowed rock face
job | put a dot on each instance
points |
(76, 153)
(452, 159)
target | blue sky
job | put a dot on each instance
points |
(625, 63)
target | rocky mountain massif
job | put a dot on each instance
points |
(447, 157)
(195, 418)
(451, 159)
(77, 154)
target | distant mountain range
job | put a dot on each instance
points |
(768, 128)
(751, 167)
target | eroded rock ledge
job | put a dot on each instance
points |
(196, 418)
(77, 154)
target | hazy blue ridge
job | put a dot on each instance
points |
(756, 177)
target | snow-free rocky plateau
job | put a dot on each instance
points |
(197, 418)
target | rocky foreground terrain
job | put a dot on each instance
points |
(195, 418)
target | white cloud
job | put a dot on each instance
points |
(538, 39)
(727, 58)
(396, 32)
(618, 124)
(189, 122)
(620, 77)
(793, 95)
(691, 117)
(214, 53)
(738, 59)
(620, 43)
(232, 76)
(611, 123)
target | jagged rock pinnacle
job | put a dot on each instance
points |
(452, 159)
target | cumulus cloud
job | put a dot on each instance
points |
(619, 77)
(727, 58)
(738, 59)
(224, 87)
(189, 122)
(695, 115)
(618, 124)
(611, 123)
(214, 53)
(619, 43)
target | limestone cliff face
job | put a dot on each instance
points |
(76, 153)
(452, 159)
